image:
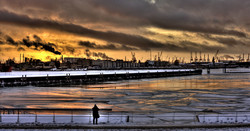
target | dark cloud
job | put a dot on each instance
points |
(26, 41)
(20, 49)
(229, 19)
(48, 47)
(38, 44)
(125, 39)
(228, 41)
(204, 47)
(170, 14)
(93, 45)
(132, 40)
(37, 38)
(10, 41)
(70, 49)
(182, 46)
(188, 46)
(170, 36)
(87, 44)
(213, 16)
(1, 42)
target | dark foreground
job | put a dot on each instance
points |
(146, 127)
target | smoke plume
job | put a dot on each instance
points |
(100, 55)
(37, 44)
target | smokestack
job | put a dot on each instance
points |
(196, 59)
(20, 58)
(191, 59)
(204, 59)
(150, 56)
(248, 58)
(208, 60)
(200, 57)
(62, 59)
(243, 59)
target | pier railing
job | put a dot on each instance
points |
(84, 116)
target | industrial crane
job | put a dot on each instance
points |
(191, 59)
(159, 56)
(216, 56)
(133, 57)
(200, 57)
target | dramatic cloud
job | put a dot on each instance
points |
(70, 49)
(110, 36)
(92, 45)
(126, 25)
(228, 41)
(165, 14)
(39, 45)
(204, 47)
(170, 14)
(11, 41)
(20, 49)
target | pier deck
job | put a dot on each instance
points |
(21, 78)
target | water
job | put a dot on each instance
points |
(216, 91)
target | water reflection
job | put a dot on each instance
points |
(189, 93)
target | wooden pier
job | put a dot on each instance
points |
(86, 77)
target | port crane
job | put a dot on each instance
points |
(215, 58)
(204, 58)
(159, 56)
(208, 60)
(133, 57)
(248, 58)
(196, 58)
(200, 57)
(191, 59)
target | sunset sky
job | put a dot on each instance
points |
(46, 29)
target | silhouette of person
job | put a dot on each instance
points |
(96, 115)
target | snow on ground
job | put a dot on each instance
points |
(238, 70)
(131, 119)
(198, 120)
(125, 129)
(14, 74)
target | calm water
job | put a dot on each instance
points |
(216, 91)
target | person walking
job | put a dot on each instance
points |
(96, 115)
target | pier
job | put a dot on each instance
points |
(50, 78)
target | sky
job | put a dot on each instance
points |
(106, 29)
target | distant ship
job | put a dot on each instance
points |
(5, 68)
